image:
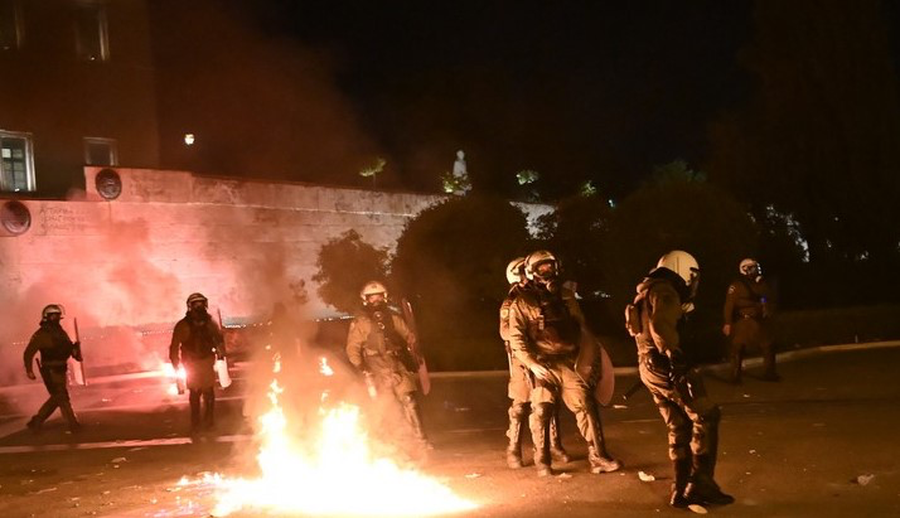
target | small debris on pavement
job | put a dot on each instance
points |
(564, 476)
(752, 452)
(45, 490)
(473, 475)
(646, 477)
(118, 460)
(864, 480)
(699, 509)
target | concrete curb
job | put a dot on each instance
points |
(795, 354)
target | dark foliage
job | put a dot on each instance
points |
(344, 265)
(450, 262)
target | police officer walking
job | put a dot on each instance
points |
(546, 333)
(196, 342)
(380, 345)
(55, 347)
(748, 308)
(519, 387)
(663, 298)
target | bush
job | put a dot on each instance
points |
(686, 214)
(344, 265)
(451, 262)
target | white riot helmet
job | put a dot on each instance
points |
(197, 297)
(372, 288)
(683, 264)
(514, 271)
(538, 258)
(53, 309)
(750, 267)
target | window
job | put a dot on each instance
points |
(91, 31)
(16, 162)
(10, 25)
(100, 151)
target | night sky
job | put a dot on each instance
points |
(575, 91)
(601, 91)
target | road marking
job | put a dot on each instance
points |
(137, 443)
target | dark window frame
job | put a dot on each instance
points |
(7, 178)
(111, 144)
(97, 50)
(18, 26)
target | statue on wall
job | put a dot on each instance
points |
(458, 181)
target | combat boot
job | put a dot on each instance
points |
(557, 452)
(541, 414)
(514, 448)
(736, 369)
(598, 457)
(65, 408)
(682, 474)
(411, 411)
(702, 489)
(34, 425)
(601, 461)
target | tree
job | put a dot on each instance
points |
(817, 138)
(576, 231)
(684, 214)
(344, 264)
(451, 262)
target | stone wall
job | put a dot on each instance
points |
(134, 259)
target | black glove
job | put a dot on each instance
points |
(76, 351)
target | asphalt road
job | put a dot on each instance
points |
(823, 443)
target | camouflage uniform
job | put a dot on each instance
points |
(691, 417)
(748, 306)
(547, 328)
(55, 347)
(519, 392)
(379, 344)
(196, 342)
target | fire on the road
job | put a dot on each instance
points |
(337, 474)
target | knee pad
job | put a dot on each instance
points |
(543, 410)
(518, 410)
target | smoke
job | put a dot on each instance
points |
(260, 105)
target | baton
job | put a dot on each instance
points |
(632, 390)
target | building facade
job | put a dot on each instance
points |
(76, 88)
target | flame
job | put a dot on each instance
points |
(324, 368)
(174, 376)
(337, 475)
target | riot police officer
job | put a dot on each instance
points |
(52, 341)
(663, 298)
(519, 387)
(748, 308)
(197, 342)
(380, 345)
(546, 333)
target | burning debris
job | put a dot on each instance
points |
(313, 476)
